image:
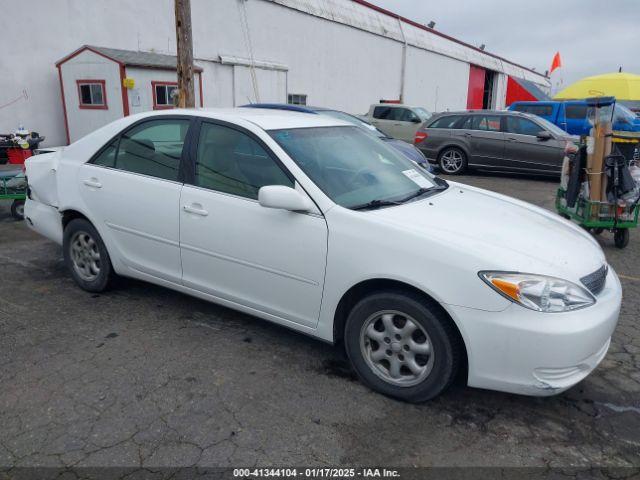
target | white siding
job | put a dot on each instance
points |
(435, 82)
(90, 66)
(142, 78)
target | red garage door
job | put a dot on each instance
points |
(476, 87)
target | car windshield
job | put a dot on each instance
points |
(622, 114)
(551, 127)
(422, 113)
(354, 121)
(353, 168)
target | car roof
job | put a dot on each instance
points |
(265, 118)
(480, 111)
(404, 105)
(282, 106)
(293, 108)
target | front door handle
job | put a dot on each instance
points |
(196, 209)
(92, 182)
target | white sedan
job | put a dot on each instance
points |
(308, 222)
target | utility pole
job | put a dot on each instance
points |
(184, 40)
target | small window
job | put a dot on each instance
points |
(163, 93)
(296, 99)
(230, 161)
(152, 148)
(449, 121)
(92, 95)
(576, 112)
(489, 123)
(522, 126)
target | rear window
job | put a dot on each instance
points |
(540, 110)
(449, 121)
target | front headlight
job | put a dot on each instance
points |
(539, 292)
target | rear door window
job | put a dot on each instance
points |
(152, 148)
(449, 121)
(490, 123)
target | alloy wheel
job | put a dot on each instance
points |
(396, 348)
(451, 161)
(85, 256)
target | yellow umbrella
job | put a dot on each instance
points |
(623, 86)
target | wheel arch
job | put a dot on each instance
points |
(72, 214)
(374, 285)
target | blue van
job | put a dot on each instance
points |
(572, 115)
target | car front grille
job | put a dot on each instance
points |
(595, 281)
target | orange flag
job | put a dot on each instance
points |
(556, 63)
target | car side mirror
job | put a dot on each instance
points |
(416, 120)
(283, 198)
(544, 135)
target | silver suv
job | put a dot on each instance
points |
(493, 140)
(397, 120)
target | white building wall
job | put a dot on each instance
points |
(141, 95)
(90, 66)
(338, 52)
(435, 82)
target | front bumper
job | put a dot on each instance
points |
(532, 353)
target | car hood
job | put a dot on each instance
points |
(497, 232)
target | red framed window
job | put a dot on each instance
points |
(163, 94)
(92, 94)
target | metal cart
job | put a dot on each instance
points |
(13, 186)
(599, 216)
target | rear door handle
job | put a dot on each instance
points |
(196, 209)
(92, 182)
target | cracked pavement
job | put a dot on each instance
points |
(145, 377)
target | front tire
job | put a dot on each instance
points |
(86, 256)
(452, 161)
(402, 346)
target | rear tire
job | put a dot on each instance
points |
(452, 161)
(86, 256)
(402, 346)
(17, 209)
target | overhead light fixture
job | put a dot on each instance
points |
(431, 24)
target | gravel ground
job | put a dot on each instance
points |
(143, 376)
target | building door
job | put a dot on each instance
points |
(487, 93)
(475, 93)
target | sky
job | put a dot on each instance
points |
(592, 36)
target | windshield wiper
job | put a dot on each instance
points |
(373, 204)
(377, 203)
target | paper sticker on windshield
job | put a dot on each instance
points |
(418, 179)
